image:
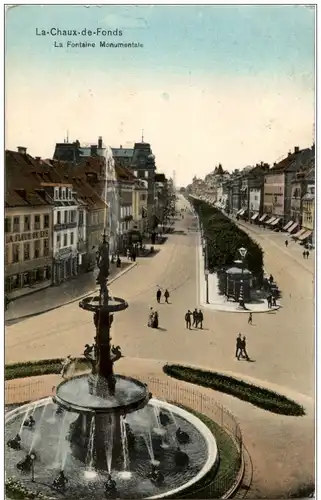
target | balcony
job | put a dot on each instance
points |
(67, 225)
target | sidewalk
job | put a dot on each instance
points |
(56, 296)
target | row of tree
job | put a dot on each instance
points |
(224, 238)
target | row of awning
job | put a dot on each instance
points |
(301, 235)
(241, 211)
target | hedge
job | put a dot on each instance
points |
(257, 396)
(41, 367)
(224, 238)
(15, 490)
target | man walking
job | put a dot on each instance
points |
(307, 253)
(158, 295)
(304, 254)
(238, 345)
(200, 318)
(286, 243)
(166, 295)
(242, 351)
(249, 321)
(195, 318)
(188, 319)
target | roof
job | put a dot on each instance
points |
(294, 161)
(122, 152)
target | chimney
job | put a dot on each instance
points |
(22, 150)
(274, 164)
(289, 153)
(93, 150)
(296, 149)
(38, 158)
(121, 147)
(100, 142)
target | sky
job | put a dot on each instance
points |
(208, 84)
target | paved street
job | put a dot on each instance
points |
(281, 345)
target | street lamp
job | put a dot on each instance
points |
(32, 458)
(242, 252)
(206, 280)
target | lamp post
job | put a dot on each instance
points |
(32, 458)
(242, 252)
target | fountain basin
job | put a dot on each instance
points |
(131, 483)
(130, 395)
(93, 303)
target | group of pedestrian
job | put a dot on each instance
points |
(197, 316)
(241, 348)
(271, 300)
(159, 295)
(306, 254)
(131, 254)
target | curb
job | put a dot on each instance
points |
(246, 311)
(20, 318)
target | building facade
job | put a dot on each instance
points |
(140, 221)
(28, 247)
(273, 201)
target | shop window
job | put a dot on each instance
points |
(65, 240)
(7, 224)
(16, 224)
(46, 221)
(26, 251)
(37, 249)
(45, 248)
(15, 282)
(37, 222)
(81, 217)
(71, 238)
(15, 252)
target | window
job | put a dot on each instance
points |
(65, 240)
(27, 223)
(6, 255)
(37, 222)
(56, 195)
(65, 216)
(16, 224)
(37, 249)
(26, 251)
(7, 224)
(146, 174)
(58, 241)
(45, 248)
(135, 173)
(25, 279)
(81, 218)
(58, 217)
(63, 193)
(72, 215)
(15, 252)
(71, 238)
(46, 221)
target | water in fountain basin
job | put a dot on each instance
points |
(60, 441)
(109, 442)
(37, 430)
(90, 449)
(149, 444)
(124, 440)
(174, 419)
(26, 415)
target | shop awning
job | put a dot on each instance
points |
(305, 235)
(270, 220)
(276, 221)
(239, 212)
(286, 227)
(299, 233)
(264, 216)
(292, 227)
(255, 216)
(242, 211)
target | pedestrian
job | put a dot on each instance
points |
(128, 253)
(268, 298)
(166, 295)
(274, 301)
(307, 253)
(271, 279)
(150, 317)
(238, 345)
(249, 321)
(195, 317)
(200, 318)
(304, 254)
(188, 319)
(286, 243)
(158, 295)
(242, 351)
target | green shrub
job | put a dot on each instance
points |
(257, 396)
(17, 491)
(41, 367)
